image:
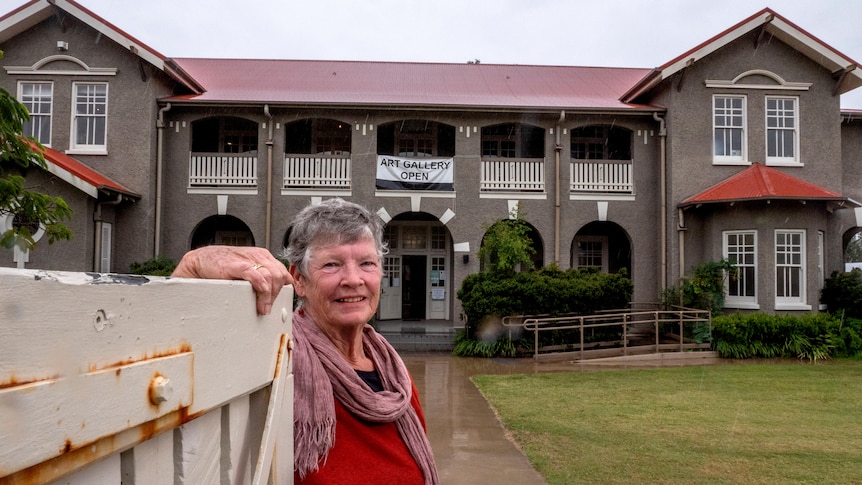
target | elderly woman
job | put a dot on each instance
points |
(357, 417)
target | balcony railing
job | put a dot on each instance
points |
(316, 172)
(512, 175)
(222, 170)
(608, 176)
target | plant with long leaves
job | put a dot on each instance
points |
(29, 209)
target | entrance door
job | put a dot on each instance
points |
(414, 291)
(390, 290)
(438, 280)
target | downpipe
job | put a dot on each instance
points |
(662, 133)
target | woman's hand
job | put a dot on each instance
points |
(266, 274)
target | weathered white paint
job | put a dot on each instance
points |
(157, 380)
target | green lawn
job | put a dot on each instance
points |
(751, 423)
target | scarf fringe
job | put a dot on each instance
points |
(311, 445)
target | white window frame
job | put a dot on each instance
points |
(33, 103)
(782, 116)
(603, 240)
(95, 108)
(790, 258)
(105, 259)
(821, 263)
(735, 159)
(731, 253)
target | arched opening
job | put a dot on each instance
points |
(224, 134)
(601, 142)
(417, 271)
(317, 136)
(852, 244)
(537, 256)
(226, 230)
(513, 140)
(603, 245)
(416, 139)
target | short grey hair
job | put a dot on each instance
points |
(333, 221)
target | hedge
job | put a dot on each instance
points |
(811, 336)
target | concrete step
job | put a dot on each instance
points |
(421, 341)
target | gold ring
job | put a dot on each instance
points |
(257, 267)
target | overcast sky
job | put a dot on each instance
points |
(618, 33)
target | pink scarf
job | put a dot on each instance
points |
(321, 374)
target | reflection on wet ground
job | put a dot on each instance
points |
(470, 445)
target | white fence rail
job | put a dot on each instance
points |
(142, 380)
(613, 176)
(315, 171)
(512, 175)
(222, 170)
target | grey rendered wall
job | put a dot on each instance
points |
(132, 110)
(183, 211)
(691, 169)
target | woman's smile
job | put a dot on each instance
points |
(342, 287)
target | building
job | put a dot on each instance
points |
(736, 149)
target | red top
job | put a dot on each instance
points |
(366, 452)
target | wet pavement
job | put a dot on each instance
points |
(470, 444)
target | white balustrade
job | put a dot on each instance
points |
(512, 175)
(222, 170)
(317, 171)
(613, 176)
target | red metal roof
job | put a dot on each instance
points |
(440, 85)
(82, 176)
(760, 182)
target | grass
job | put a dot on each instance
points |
(753, 423)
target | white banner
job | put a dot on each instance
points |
(398, 173)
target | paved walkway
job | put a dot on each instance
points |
(470, 444)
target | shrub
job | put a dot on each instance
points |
(486, 297)
(842, 293)
(507, 245)
(158, 266)
(703, 289)
(813, 337)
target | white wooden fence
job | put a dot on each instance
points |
(109, 379)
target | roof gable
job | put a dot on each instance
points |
(846, 71)
(759, 182)
(36, 11)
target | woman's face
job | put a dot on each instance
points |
(342, 287)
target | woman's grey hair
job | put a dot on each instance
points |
(333, 221)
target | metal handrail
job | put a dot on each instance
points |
(610, 318)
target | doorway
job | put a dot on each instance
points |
(413, 295)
